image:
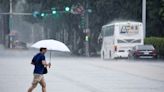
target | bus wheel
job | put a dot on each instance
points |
(135, 57)
(129, 57)
(103, 57)
(110, 54)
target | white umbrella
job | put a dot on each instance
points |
(51, 44)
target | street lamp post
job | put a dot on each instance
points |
(144, 16)
(10, 24)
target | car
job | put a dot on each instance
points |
(143, 51)
(20, 45)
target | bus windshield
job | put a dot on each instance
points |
(128, 29)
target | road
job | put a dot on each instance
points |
(81, 74)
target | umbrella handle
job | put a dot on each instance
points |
(50, 57)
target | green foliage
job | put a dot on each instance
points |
(154, 23)
(157, 42)
(161, 11)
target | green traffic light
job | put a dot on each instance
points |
(87, 38)
(53, 12)
(42, 14)
(67, 8)
(35, 13)
(53, 9)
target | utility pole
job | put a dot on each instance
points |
(144, 16)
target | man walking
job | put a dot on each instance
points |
(40, 69)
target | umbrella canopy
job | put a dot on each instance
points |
(51, 45)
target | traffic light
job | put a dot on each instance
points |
(35, 14)
(67, 9)
(82, 22)
(38, 14)
(87, 38)
(42, 14)
(54, 12)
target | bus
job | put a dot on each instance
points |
(118, 38)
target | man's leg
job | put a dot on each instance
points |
(32, 88)
(43, 84)
(36, 80)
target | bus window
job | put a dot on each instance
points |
(109, 31)
(137, 41)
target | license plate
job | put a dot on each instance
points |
(146, 53)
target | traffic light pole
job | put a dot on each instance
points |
(8, 39)
(87, 31)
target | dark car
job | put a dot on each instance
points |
(143, 51)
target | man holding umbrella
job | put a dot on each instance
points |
(39, 60)
(40, 69)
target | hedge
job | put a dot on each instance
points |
(158, 43)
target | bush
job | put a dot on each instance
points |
(158, 43)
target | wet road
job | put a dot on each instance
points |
(79, 74)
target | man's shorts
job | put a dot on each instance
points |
(37, 79)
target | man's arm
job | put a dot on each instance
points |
(45, 63)
(32, 63)
(33, 60)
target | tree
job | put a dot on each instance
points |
(4, 6)
(154, 18)
(103, 12)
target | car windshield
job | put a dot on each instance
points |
(145, 47)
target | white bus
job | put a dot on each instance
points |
(119, 37)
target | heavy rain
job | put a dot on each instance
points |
(81, 46)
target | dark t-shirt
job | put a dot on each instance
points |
(37, 61)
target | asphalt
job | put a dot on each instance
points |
(80, 74)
